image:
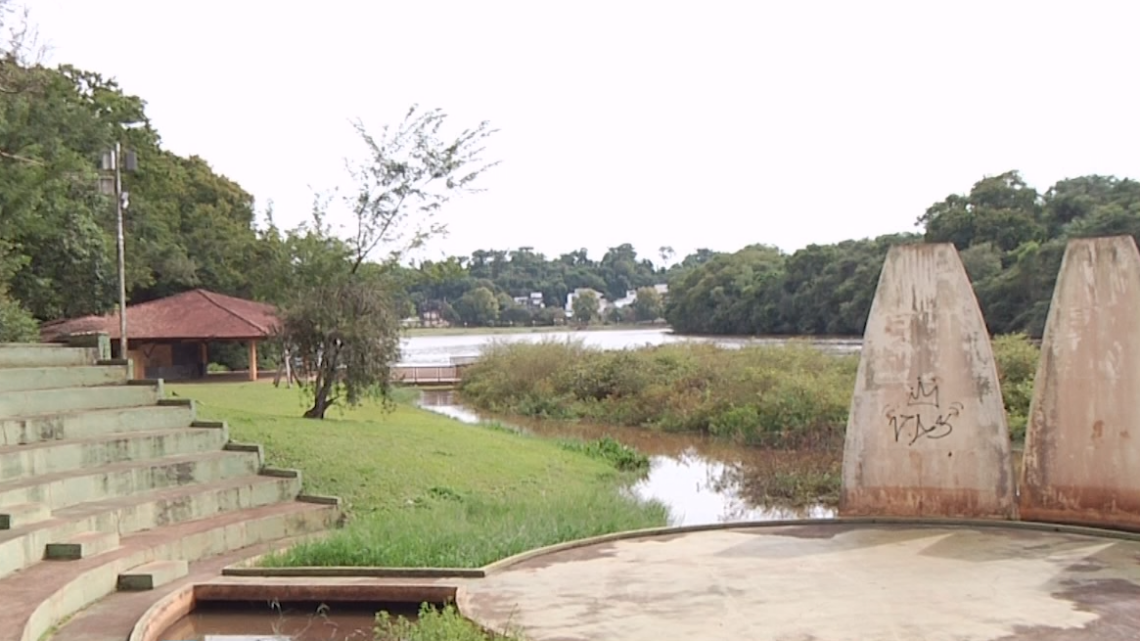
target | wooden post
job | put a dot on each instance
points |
(204, 357)
(253, 360)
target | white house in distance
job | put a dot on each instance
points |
(603, 304)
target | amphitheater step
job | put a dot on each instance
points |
(74, 487)
(44, 378)
(87, 424)
(55, 401)
(82, 546)
(45, 355)
(23, 546)
(53, 457)
(48, 593)
(23, 514)
(149, 576)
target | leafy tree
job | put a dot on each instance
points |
(585, 306)
(648, 304)
(345, 328)
(478, 307)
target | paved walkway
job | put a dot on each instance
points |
(823, 583)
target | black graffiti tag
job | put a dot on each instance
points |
(923, 415)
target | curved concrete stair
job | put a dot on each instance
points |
(65, 489)
(41, 378)
(104, 484)
(79, 424)
(13, 355)
(23, 546)
(55, 457)
(49, 592)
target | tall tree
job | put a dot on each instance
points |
(345, 328)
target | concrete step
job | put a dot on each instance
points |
(149, 576)
(45, 355)
(22, 547)
(114, 617)
(42, 378)
(56, 401)
(85, 424)
(53, 457)
(23, 514)
(82, 546)
(46, 594)
(75, 487)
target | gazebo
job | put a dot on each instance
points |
(167, 337)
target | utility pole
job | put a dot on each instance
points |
(113, 160)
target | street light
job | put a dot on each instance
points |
(113, 161)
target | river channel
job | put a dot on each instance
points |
(701, 479)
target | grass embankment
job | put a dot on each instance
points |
(426, 490)
(791, 396)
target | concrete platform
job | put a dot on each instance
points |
(823, 582)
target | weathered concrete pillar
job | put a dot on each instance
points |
(1082, 449)
(927, 433)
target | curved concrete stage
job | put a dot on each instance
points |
(823, 582)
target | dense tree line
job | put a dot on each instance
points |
(1011, 238)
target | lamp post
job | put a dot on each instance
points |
(113, 161)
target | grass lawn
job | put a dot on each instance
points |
(423, 489)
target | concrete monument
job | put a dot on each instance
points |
(1082, 450)
(927, 432)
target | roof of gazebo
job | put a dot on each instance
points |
(194, 315)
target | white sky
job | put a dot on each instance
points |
(700, 124)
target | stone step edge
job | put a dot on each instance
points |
(105, 577)
(82, 546)
(44, 448)
(130, 468)
(153, 574)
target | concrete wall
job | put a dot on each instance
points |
(1082, 452)
(927, 433)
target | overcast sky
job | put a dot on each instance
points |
(689, 124)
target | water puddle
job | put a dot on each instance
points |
(702, 480)
(269, 621)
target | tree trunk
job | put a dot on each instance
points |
(321, 399)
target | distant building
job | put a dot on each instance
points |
(631, 295)
(532, 301)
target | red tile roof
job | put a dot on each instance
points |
(197, 315)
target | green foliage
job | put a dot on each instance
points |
(434, 624)
(607, 448)
(791, 395)
(1016, 358)
(585, 306)
(423, 489)
(648, 306)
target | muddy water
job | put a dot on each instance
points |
(702, 480)
(429, 350)
(281, 622)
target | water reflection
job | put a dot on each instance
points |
(439, 350)
(701, 479)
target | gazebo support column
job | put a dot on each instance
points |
(253, 360)
(204, 358)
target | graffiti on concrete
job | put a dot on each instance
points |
(923, 415)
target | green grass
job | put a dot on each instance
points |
(423, 489)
